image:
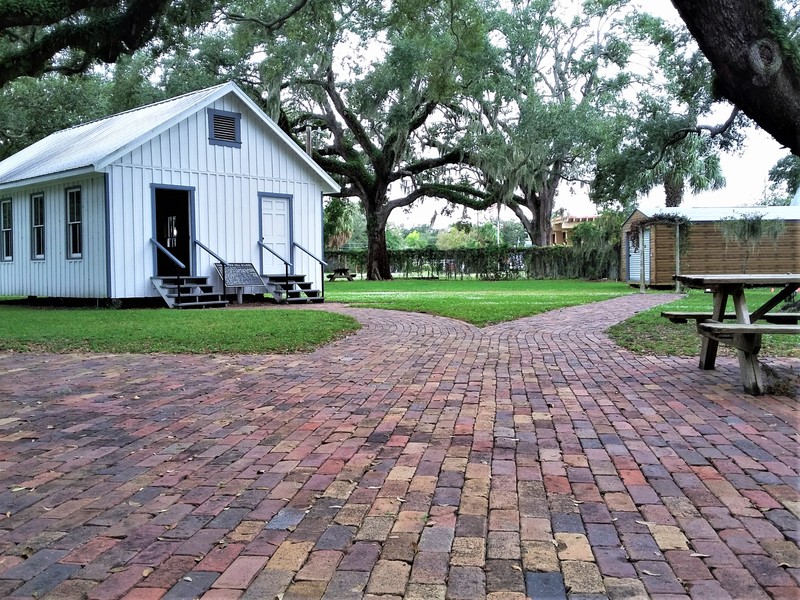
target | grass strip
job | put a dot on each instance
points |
(475, 301)
(247, 331)
(650, 333)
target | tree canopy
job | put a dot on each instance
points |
(69, 36)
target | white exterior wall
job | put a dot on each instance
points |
(226, 182)
(57, 276)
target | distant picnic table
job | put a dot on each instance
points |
(341, 273)
(745, 328)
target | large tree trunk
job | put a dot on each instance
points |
(757, 68)
(539, 201)
(377, 256)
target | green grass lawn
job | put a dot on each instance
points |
(270, 330)
(649, 333)
(249, 331)
(474, 301)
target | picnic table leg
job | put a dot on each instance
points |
(708, 347)
(748, 363)
(747, 349)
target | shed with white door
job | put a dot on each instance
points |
(113, 208)
(703, 248)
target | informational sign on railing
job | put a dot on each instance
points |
(239, 275)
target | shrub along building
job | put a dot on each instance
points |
(703, 246)
(113, 208)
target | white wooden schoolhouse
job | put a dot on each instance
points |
(195, 187)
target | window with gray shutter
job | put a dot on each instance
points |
(224, 128)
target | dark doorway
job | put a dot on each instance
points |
(173, 229)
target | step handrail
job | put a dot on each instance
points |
(219, 258)
(322, 265)
(286, 263)
(178, 264)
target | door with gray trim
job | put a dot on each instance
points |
(276, 232)
(173, 229)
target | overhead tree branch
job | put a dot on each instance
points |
(268, 26)
(756, 60)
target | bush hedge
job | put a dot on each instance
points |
(538, 262)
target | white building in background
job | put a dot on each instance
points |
(84, 211)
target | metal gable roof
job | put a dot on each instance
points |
(87, 144)
(717, 213)
(92, 146)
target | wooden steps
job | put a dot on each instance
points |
(188, 292)
(292, 289)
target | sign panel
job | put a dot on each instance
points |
(240, 275)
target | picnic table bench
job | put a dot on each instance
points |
(343, 273)
(684, 317)
(745, 331)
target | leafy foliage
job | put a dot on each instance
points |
(338, 222)
(491, 262)
(786, 172)
(31, 109)
(40, 36)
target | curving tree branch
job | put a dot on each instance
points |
(756, 59)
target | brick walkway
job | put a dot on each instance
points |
(419, 458)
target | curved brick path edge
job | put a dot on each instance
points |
(420, 457)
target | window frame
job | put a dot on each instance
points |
(37, 229)
(73, 225)
(215, 141)
(6, 230)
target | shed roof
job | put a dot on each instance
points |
(92, 146)
(716, 213)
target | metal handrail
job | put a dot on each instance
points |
(322, 265)
(275, 254)
(319, 260)
(286, 263)
(219, 258)
(179, 265)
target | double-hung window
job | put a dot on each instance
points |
(37, 226)
(6, 231)
(74, 224)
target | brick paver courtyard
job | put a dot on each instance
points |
(419, 458)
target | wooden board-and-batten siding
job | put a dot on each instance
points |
(708, 252)
(226, 184)
(57, 274)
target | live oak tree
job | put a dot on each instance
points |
(565, 71)
(381, 85)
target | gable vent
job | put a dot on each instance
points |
(224, 128)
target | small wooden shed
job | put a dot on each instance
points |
(705, 250)
(111, 208)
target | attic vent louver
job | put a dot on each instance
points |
(224, 128)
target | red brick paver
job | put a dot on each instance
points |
(420, 457)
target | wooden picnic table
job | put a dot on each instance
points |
(745, 330)
(343, 273)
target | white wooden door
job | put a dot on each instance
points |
(635, 258)
(276, 232)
